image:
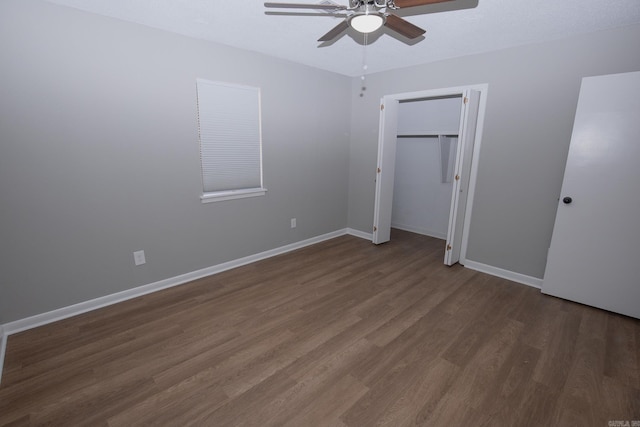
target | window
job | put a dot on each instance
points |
(230, 141)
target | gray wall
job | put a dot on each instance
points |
(533, 92)
(99, 156)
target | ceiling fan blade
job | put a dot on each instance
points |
(332, 14)
(306, 6)
(403, 27)
(334, 31)
(411, 3)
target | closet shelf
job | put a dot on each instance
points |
(428, 135)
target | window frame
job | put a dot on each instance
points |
(230, 193)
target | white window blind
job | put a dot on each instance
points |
(230, 140)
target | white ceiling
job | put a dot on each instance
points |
(456, 28)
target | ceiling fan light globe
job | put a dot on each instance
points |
(366, 23)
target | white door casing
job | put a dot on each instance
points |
(471, 124)
(595, 246)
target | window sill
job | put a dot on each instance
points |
(220, 196)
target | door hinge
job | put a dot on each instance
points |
(457, 177)
(466, 100)
(379, 170)
(375, 228)
(381, 107)
(448, 247)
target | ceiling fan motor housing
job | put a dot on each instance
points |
(364, 16)
(367, 19)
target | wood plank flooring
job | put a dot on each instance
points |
(342, 333)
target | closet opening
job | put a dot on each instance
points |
(427, 140)
(427, 151)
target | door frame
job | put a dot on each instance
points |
(435, 93)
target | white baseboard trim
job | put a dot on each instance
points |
(505, 274)
(86, 306)
(360, 234)
(83, 307)
(3, 348)
(419, 230)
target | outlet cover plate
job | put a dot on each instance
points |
(138, 257)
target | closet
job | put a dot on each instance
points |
(426, 144)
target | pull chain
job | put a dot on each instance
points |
(364, 65)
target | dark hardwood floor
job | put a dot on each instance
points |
(342, 333)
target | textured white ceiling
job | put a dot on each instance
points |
(456, 28)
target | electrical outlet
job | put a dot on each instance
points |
(293, 223)
(138, 257)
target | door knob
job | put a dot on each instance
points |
(567, 200)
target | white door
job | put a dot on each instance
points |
(595, 246)
(386, 169)
(460, 190)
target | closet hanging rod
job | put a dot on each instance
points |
(430, 135)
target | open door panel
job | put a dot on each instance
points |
(459, 193)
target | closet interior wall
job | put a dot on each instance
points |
(425, 157)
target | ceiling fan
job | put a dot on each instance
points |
(364, 16)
